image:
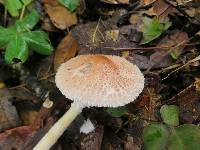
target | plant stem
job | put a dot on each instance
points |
(58, 128)
(22, 12)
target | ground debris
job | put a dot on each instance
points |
(8, 114)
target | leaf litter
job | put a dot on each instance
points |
(159, 36)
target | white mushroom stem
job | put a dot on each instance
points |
(59, 127)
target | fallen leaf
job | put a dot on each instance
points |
(59, 15)
(132, 143)
(28, 116)
(112, 35)
(161, 9)
(66, 49)
(173, 41)
(8, 114)
(92, 140)
(146, 2)
(14, 138)
(188, 100)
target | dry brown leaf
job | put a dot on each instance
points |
(112, 35)
(28, 116)
(132, 143)
(174, 40)
(162, 9)
(8, 114)
(61, 17)
(47, 25)
(146, 2)
(14, 138)
(92, 140)
(66, 49)
(188, 101)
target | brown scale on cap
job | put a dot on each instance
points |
(100, 80)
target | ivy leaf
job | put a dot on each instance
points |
(155, 137)
(118, 111)
(19, 39)
(185, 137)
(38, 41)
(170, 114)
(17, 48)
(152, 29)
(70, 4)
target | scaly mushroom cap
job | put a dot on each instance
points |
(100, 80)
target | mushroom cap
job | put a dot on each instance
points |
(100, 80)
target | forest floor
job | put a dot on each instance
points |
(162, 37)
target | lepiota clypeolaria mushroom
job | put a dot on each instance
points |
(93, 80)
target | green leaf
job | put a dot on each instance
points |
(152, 29)
(39, 42)
(28, 22)
(17, 48)
(174, 55)
(5, 36)
(170, 114)
(155, 137)
(26, 2)
(13, 7)
(185, 137)
(19, 38)
(70, 4)
(117, 112)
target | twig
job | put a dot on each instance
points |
(5, 15)
(189, 62)
(95, 31)
(153, 47)
(40, 79)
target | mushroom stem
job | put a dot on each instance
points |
(59, 127)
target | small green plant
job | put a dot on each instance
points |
(152, 28)
(14, 6)
(18, 39)
(70, 4)
(159, 136)
(118, 111)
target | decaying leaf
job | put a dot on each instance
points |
(188, 101)
(92, 141)
(59, 15)
(175, 42)
(66, 49)
(161, 9)
(132, 143)
(146, 2)
(8, 115)
(14, 138)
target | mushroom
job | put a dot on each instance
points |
(93, 80)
